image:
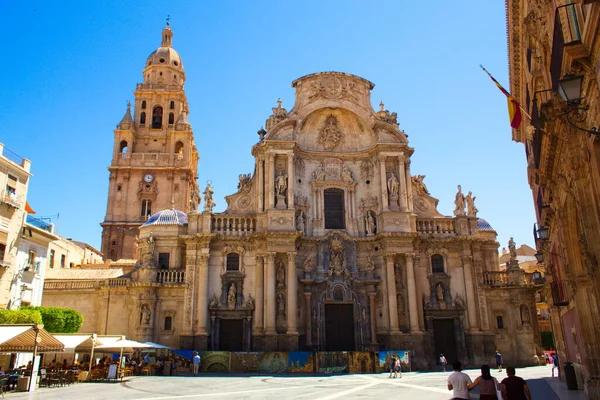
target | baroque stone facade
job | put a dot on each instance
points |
(330, 244)
(548, 41)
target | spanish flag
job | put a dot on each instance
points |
(28, 208)
(514, 108)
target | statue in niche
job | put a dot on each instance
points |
(280, 274)
(336, 257)
(439, 292)
(512, 248)
(300, 221)
(346, 174)
(524, 314)
(370, 226)
(309, 263)
(319, 174)
(471, 209)
(459, 202)
(393, 186)
(208, 198)
(145, 315)
(363, 314)
(232, 296)
(369, 265)
(281, 184)
(281, 306)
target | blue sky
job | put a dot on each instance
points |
(70, 67)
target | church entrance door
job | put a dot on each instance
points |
(231, 335)
(339, 327)
(445, 342)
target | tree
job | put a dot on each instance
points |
(58, 320)
(20, 317)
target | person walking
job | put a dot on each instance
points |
(393, 362)
(488, 385)
(443, 361)
(459, 382)
(196, 360)
(498, 358)
(514, 387)
(555, 364)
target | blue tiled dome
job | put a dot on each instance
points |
(483, 225)
(167, 217)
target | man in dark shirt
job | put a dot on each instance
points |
(514, 387)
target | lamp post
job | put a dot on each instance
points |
(569, 88)
(543, 233)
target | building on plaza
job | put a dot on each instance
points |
(553, 63)
(14, 181)
(329, 244)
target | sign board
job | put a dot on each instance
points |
(112, 371)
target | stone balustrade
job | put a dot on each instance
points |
(115, 282)
(442, 227)
(227, 225)
(71, 285)
(495, 278)
(160, 159)
(171, 276)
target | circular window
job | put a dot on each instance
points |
(368, 182)
(175, 63)
(162, 60)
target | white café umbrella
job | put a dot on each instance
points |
(153, 345)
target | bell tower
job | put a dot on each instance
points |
(154, 161)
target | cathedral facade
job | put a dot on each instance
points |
(330, 244)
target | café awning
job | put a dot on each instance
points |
(22, 339)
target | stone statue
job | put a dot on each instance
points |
(319, 174)
(280, 274)
(281, 184)
(245, 183)
(418, 185)
(309, 263)
(214, 302)
(300, 221)
(524, 314)
(512, 248)
(369, 265)
(150, 243)
(208, 198)
(439, 292)
(232, 296)
(370, 226)
(459, 201)
(346, 174)
(393, 185)
(145, 315)
(458, 301)
(280, 305)
(471, 209)
(250, 302)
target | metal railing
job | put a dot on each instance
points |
(562, 293)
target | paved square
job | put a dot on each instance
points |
(413, 385)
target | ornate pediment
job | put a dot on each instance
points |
(333, 169)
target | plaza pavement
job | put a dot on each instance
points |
(413, 385)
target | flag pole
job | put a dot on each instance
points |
(520, 106)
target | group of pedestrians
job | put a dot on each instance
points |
(511, 388)
(395, 367)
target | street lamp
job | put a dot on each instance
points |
(569, 88)
(543, 233)
(262, 133)
(539, 256)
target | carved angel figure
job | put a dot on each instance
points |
(346, 174)
(418, 185)
(319, 174)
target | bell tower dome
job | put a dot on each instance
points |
(155, 161)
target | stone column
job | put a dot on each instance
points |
(307, 296)
(292, 296)
(391, 287)
(290, 184)
(261, 193)
(412, 294)
(471, 307)
(270, 183)
(409, 193)
(402, 179)
(373, 317)
(259, 277)
(190, 280)
(270, 300)
(202, 300)
(384, 192)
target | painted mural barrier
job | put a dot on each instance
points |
(279, 362)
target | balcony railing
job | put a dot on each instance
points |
(495, 278)
(154, 159)
(38, 223)
(567, 38)
(11, 199)
(141, 86)
(233, 226)
(442, 227)
(562, 293)
(171, 276)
